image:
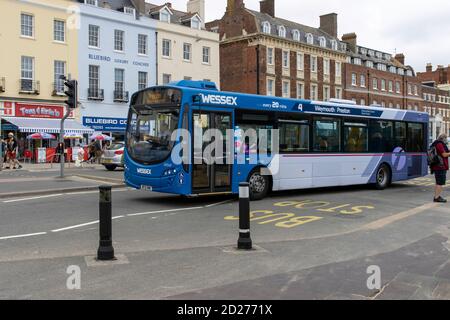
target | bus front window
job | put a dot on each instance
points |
(149, 133)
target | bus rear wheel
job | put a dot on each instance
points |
(258, 185)
(383, 177)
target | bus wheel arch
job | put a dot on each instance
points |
(260, 185)
(383, 176)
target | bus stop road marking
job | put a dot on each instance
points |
(381, 223)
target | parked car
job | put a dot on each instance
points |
(112, 157)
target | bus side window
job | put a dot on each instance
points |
(327, 135)
(415, 137)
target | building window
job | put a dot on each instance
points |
(282, 31)
(375, 83)
(322, 42)
(363, 102)
(164, 16)
(300, 61)
(118, 40)
(397, 87)
(285, 59)
(363, 81)
(326, 67)
(309, 38)
(206, 55)
(391, 105)
(391, 86)
(338, 94)
(26, 25)
(166, 78)
(59, 71)
(398, 106)
(326, 93)
(314, 92)
(91, 2)
(270, 56)
(94, 80)
(334, 45)
(195, 23)
(354, 79)
(142, 44)
(313, 64)
(357, 61)
(300, 91)
(409, 89)
(27, 73)
(59, 30)
(296, 35)
(383, 85)
(338, 69)
(119, 78)
(270, 87)
(381, 67)
(369, 64)
(416, 90)
(166, 48)
(266, 27)
(187, 48)
(94, 33)
(142, 80)
(286, 89)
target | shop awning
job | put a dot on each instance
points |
(47, 125)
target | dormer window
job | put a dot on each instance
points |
(357, 61)
(164, 15)
(323, 42)
(343, 46)
(371, 53)
(266, 27)
(296, 35)
(401, 71)
(309, 38)
(363, 51)
(282, 31)
(393, 69)
(369, 64)
(91, 2)
(379, 55)
(129, 10)
(334, 45)
(196, 23)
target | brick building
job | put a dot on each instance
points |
(263, 54)
(440, 76)
(373, 77)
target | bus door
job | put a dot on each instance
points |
(210, 176)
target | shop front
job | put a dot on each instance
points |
(113, 127)
(37, 130)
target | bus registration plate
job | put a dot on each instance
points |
(146, 188)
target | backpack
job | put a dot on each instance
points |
(433, 156)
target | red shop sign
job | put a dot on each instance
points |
(39, 111)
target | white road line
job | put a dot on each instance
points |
(76, 226)
(218, 203)
(33, 198)
(162, 211)
(23, 235)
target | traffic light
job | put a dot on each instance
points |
(72, 93)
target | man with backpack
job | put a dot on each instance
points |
(438, 157)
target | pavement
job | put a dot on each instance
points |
(308, 244)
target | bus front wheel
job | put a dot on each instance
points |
(383, 177)
(258, 185)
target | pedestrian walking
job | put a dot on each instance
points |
(12, 152)
(440, 167)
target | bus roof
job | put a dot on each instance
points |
(208, 94)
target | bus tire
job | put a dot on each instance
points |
(258, 185)
(383, 177)
(110, 167)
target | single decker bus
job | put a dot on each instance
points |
(319, 144)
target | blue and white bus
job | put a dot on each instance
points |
(321, 144)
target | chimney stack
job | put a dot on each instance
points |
(268, 7)
(400, 57)
(350, 39)
(429, 67)
(234, 4)
(197, 6)
(328, 24)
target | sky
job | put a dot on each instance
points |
(418, 29)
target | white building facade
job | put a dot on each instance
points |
(117, 46)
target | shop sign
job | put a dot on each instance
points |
(106, 124)
(39, 111)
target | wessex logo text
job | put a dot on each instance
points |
(217, 99)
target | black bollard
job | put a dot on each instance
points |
(244, 241)
(105, 250)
